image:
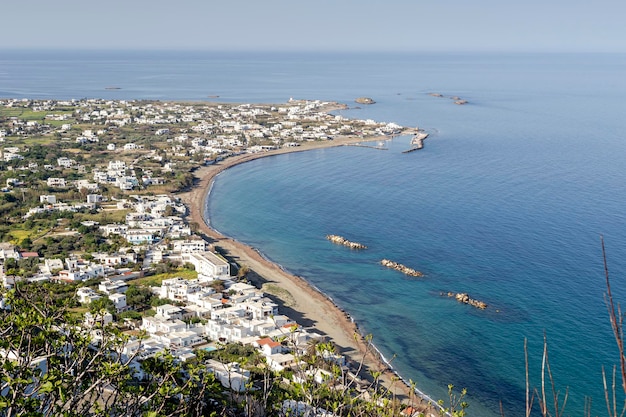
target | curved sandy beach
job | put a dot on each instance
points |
(311, 306)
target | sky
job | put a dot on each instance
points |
(317, 25)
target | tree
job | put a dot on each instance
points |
(26, 243)
(100, 304)
(138, 296)
(51, 366)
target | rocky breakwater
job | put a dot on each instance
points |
(402, 268)
(340, 240)
(417, 142)
(464, 298)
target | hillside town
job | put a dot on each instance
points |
(89, 202)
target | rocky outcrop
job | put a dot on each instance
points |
(457, 100)
(365, 100)
(464, 298)
(402, 268)
(340, 240)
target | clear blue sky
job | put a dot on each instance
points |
(383, 25)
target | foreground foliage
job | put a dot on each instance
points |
(51, 366)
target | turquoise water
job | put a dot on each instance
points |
(506, 202)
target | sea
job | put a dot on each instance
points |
(508, 201)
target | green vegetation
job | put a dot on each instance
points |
(279, 292)
(155, 280)
(41, 377)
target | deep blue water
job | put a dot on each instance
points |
(507, 201)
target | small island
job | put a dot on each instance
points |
(365, 100)
(340, 240)
(464, 298)
(402, 268)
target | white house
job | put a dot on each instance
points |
(49, 199)
(230, 375)
(139, 236)
(169, 311)
(262, 309)
(100, 318)
(94, 198)
(115, 229)
(50, 265)
(280, 361)
(115, 259)
(267, 346)
(161, 324)
(86, 295)
(112, 287)
(181, 339)
(56, 182)
(178, 289)
(189, 245)
(208, 265)
(65, 162)
(116, 165)
(119, 301)
(89, 186)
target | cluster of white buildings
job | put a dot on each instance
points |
(49, 203)
(196, 313)
(240, 314)
(149, 223)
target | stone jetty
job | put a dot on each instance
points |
(340, 240)
(464, 298)
(417, 142)
(402, 268)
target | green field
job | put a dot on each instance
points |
(29, 114)
(155, 280)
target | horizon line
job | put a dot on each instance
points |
(305, 51)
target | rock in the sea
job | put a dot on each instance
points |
(402, 268)
(365, 100)
(340, 240)
(466, 299)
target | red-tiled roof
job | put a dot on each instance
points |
(267, 341)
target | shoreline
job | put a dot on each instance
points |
(306, 300)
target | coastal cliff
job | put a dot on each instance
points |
(402, 268)
(340, 240)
